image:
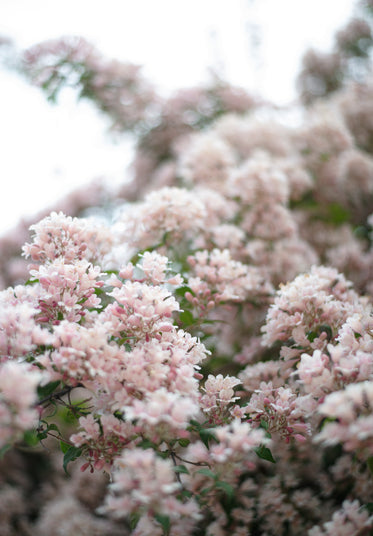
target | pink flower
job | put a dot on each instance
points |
(145, 482)
(140, 310)
(60, 236)
(18, 382)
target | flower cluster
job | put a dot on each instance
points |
(350, 411)
(310, 310)
(145, 485)
(280, 411)
(18, 397)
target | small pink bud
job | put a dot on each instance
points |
(99, 464)
(176, 280)
(84, 467)
(165, 327)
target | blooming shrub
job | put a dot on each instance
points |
(199, 361)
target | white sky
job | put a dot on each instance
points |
(47, 150)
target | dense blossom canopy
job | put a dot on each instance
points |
(203, 354)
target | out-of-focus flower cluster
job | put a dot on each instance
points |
(18, 396)
(118, 88)
(325, 72)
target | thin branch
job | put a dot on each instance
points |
(192, 463)
(173, 456)
(66, 390)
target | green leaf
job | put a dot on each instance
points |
(42, 435)
(370, 464)
(185, 494)
(53, 427)
(181, 291)
(4, 450)
(184, 442)
(164, 521)
(264, 453)
(206, 434)
(98, 291)
(264, 424)
(147, 444)
(205, 491)
(207, 472)
(196, 424)
(31, 282)
(326, 421)
(323, 328)
(311, 335)
(67, 416)
(70, 455)
(338, 214)
(187, 318)
(181, 469)
(227, 488)
(48, 389)
(369, 507)
(64, 447)
(31, 438)
(134, 519)
(324, 157)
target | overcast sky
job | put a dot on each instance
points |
(253, 43)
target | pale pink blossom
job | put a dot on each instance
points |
(350, 520)
(352, 409)
(80, 354)
(20, 333)
(18, 396)
(311, 309)
(101, 439)
(235, 439)
(140, 310)
(248, 134)
(208, 161)
(167, 212)
(72, 239)
(162, 413)
(66, 291)
(148, 367)
(218, 278)
(259, 181)
(269, 221)
(155, 268)
(145, 482)
(219, 393)
(283, 412)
